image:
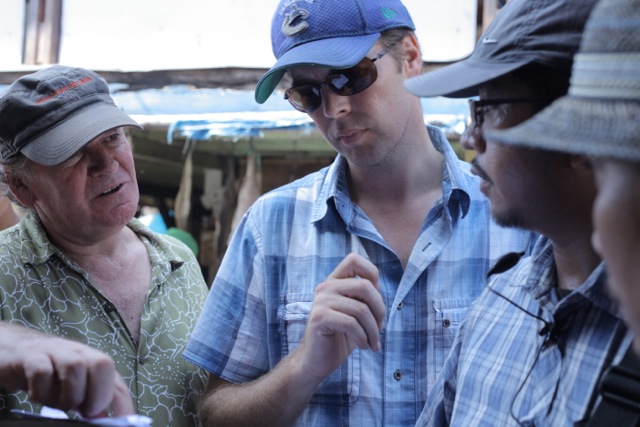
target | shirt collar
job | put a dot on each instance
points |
(455, 182)
(333, 184)
(541, 280)
(36, 248)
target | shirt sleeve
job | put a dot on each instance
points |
(233, 318)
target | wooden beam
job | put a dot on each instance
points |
(234, 78)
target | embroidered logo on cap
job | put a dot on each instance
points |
(294, 22)
(388, 13)
(65, 88)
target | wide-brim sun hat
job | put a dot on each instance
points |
(51, 114)
(523, 32)
(328, 33)
(600, 116)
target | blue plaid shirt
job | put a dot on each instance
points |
(494, 368)
(292, 238)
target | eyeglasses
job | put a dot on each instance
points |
(477, 107)
(308, 97)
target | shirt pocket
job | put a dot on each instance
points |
(340, 387)
(449, 315)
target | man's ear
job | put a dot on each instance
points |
(20, 189)
(412, 55)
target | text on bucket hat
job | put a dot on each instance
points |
(327, 33)
(52, 113)
(600, 116)
(523, 32)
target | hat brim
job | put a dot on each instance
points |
(586, 126)
(62, 141)
(339, 52)
(461, 79)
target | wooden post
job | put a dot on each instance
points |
(42, 33)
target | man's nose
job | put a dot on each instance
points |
(334, 105)
(472, 139)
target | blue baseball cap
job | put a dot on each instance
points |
(327, 33)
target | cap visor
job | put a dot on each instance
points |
(339, 52)
(580, 126)
(63, 141)
(459, 80)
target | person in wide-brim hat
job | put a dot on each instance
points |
(600, 118)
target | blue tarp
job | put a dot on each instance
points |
(201, 114)
(237, 125)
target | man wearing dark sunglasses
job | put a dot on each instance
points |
(340, 294)
(535, 344)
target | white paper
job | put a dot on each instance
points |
(124, 421)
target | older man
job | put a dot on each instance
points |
(78, 265)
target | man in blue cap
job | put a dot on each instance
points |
(340, 293)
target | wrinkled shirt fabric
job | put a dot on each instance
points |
(42, 288)
(292, 238)
(507, 369)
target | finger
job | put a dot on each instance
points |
(366, 322)
(347, 322)
(122, 404)
(357, 289)
(100, 385)
(41, 379)
(72, 374)
(354, 265)
(372, 298)
(350, 298)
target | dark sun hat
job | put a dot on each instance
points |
(600, 116)
(52, 113)
(547, 32)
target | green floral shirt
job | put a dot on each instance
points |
(42, 288)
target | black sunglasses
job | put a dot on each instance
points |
(477, 109)
(308, 97)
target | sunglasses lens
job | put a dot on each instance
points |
(305, 98)
(353, 80)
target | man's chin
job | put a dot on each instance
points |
(507, 219)
(121, 215)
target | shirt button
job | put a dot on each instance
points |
(142, 359)
(397, 375)
(400, 304)
(446, 323)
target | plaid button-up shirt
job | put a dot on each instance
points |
(291, 240)
(507, 364)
